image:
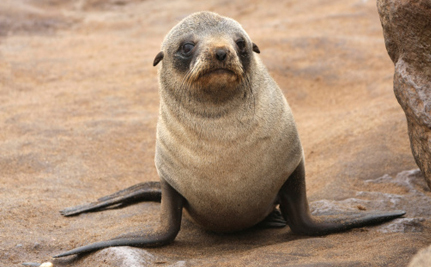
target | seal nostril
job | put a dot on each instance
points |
(221, 54)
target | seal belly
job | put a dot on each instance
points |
(229, 185)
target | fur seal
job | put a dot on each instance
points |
(227, 149)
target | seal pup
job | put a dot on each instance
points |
(227, 148)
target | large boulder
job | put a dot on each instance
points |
(407, 31)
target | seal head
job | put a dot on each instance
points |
(207, 58)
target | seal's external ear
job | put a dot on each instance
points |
(158, 58)
(255, 48)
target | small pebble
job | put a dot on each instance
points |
(36, 246)
(47, 264)
(360, 207)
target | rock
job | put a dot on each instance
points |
(407, 32)
(403, 225)
(121, 256)
(128, 257)
(414, 197)
(422, 258)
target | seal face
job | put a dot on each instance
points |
(222, 120)
(206, 58)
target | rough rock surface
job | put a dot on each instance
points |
(79, 106)
(407, 31)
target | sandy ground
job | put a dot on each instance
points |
(79, 106)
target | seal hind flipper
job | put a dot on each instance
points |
(170, 222)
(148, 191)
(273, 220)
(294, 207)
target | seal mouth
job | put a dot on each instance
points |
(218, 71)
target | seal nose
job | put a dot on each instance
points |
(221, 54)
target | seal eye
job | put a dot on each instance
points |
(187, 49)
(241, 45)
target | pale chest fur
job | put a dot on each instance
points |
(230, 169)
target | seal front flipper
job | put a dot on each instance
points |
(148, 191)
(294, 207)
(170, 222)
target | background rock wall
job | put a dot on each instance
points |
(407, 31)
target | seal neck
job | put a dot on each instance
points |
(194, 105)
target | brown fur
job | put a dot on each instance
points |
(226, 141)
